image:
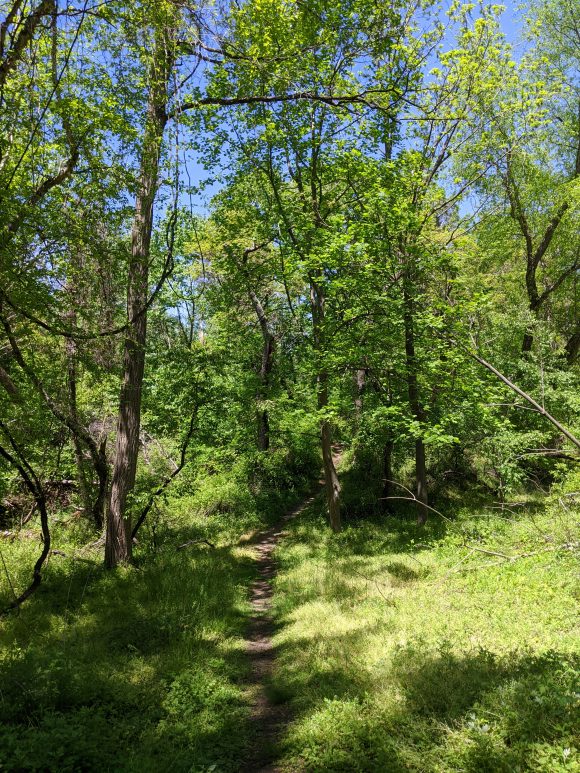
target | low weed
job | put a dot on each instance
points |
(452, 648)
(140, 669)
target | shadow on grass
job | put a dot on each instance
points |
(138, 669)
(420, 709)
(474, 712)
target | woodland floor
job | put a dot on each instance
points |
(241, 644)
(269, 718)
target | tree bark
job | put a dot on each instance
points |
(32, 483)
(331, 480)
(360, 383)
(268, 346)
(539, 408)
(70, 421)
(572, 347)
(264, 374)
(23, 34)
(83, 485)
(535, 253)
(118, 534)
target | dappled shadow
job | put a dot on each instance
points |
(508, 704)
(136, 669)
(326, 679)
(416, 708)
(372, 536)
(403, 572)
(505, 707)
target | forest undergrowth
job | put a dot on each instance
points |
(245, 245)
(451, 648)
(455, 649)
(144, 669)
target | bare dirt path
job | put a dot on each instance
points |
(269, 718)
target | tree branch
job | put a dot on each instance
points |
(169, 479)
(540, 409)
(33, 484)
(23, 38)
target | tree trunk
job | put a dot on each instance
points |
(84, 491)
(414, 401)
(527, 342)
(264, 374)
(118, 537)
(421, 472)
(360, 383)
(387, 473)
(98, 456)
(573, 347)
(263, 428)
(331, 481)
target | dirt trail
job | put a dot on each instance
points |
(269, 718)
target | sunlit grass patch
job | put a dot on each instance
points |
(444, 649)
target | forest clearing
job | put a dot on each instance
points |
(289, 386)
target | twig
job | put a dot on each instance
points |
(193, 542)
(492, 553)
(8, 575)
(413, 498)
(389, 601)
(73, 558)
(32, 483)
(160, 489)
(453, 569)
(27, 517)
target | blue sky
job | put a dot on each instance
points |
(511, 25)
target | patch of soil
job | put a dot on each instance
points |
(269, 719)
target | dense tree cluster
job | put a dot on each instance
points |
(390, 264)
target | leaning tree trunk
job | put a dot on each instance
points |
(415, 402)
(331, 481)
(118, 535)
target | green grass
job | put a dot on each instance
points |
(399, 649)
(409, 650)
(141, 669)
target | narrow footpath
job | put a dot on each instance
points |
(269, 719)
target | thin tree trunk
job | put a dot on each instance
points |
(573, 347)
(84, 492)
(97, 453)
(414, 402)
(264, 374)
(539, 408)
(528, 341)
(360, 383)
(118, 535)
(422, 490)
(10, 386)
(387, 473)
(535, 252)
(33, 484)
(263, 416)
(331, 481)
